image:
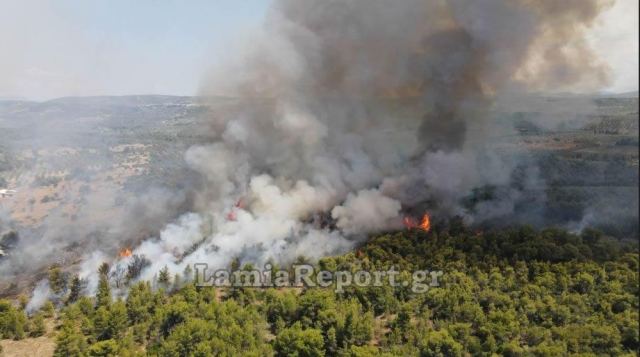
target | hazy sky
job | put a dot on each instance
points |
(53, 48)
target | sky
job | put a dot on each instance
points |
(56, 48)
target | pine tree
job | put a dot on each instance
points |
(74, 290)
(331, 341)
(57, 280)
(101, 330)
(117, 319)
(48, 309)
(188, 274)
(69, 342)
(235, 264)
(104, 348)
(12, 321)
(295, 341)
(103, 296)
(36, 326)
(177, 282)
(164, 278)
(23, 300)
(135, 267)
(104, 269)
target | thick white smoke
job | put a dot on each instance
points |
(366, 212)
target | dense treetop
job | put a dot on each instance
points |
(515, 292)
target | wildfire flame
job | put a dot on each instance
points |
(126, 252)
(424, 224)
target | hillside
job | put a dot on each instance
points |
(513, 292)
(110, 172)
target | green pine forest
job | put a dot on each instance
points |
(512, 292)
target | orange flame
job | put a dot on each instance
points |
(424, 224)
(126, 252)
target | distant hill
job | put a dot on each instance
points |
(633, 94)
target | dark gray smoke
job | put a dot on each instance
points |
(366, 108)
(335, 72)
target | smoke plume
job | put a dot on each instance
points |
(350, 113)
(365, 109)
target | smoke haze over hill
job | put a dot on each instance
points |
(345, 116)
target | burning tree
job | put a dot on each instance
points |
(424, 223)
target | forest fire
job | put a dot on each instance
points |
(125, 253)
(424, 224)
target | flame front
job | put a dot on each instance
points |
(126, 252)
(424, 224)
